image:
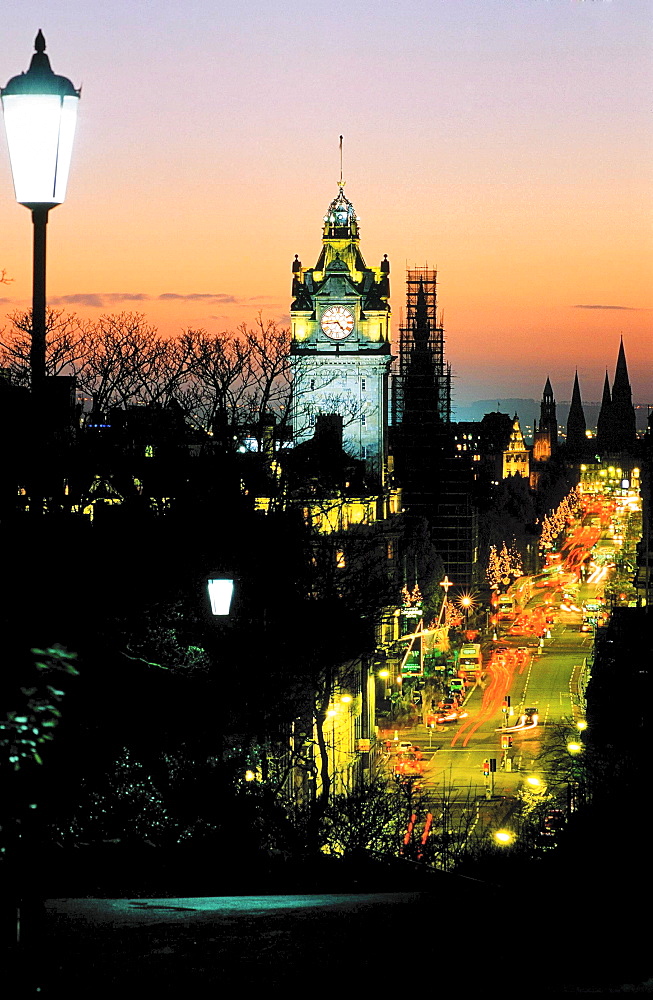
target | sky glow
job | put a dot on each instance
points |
(506, 143)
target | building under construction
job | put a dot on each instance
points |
(437, 482)
(421, 368)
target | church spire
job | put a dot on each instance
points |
(421, 329)
(607, 398)
(604, 424)
(545, 437)
(622, 415)
(621, 391)
(576, 425)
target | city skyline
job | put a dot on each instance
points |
(503, 143)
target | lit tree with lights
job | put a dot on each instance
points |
(505, 564)
(516, 564)
(493, 572)
(554, 524)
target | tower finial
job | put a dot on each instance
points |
(341, 183)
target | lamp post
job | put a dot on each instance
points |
(331, 714)
(40, 111)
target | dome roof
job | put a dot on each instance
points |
(341, 211)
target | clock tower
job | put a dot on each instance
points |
(340, 348)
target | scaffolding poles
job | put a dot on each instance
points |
(422, 334)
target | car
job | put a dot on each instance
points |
(402, 746)
(449, 715)
(450, 701)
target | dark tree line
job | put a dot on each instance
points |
(223, 383)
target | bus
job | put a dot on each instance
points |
(506, 607)
(515, 599)
(593, 615)
(470, 662)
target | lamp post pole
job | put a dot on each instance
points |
(40, 112)
(37, 348)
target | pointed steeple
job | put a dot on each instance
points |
(624, 431)
(548, 409)
(421, 329)
(604, 424)
(576, 424)
(621, 391)
(607, 397)
(545, 437)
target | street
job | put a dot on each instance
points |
(530, 674)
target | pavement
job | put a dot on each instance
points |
(195, 946)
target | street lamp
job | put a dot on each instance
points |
(504, 838)
(40, 111)
(220, 590)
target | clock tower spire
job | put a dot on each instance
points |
(340, 348)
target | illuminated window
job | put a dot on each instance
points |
(149, 451)
(341, 561)
(390, 546)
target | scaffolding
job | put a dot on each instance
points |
(421, 324)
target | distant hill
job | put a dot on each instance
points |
(528, 410)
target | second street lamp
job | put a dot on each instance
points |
(40, 112)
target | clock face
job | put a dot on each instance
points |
(337, 322)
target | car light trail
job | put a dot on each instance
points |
(525, 722)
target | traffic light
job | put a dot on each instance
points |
(506, 741)
(493, 764)
(486, 767)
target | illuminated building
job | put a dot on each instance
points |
(516, 457)
(340, 347)
(545, 436)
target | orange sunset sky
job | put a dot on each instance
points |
(505, 142)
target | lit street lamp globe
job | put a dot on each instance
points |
(40, 112)
(504, 838)
(220, 590)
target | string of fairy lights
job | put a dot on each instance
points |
(555, 523)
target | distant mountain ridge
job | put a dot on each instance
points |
(528, 410)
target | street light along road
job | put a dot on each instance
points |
(40, 113)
